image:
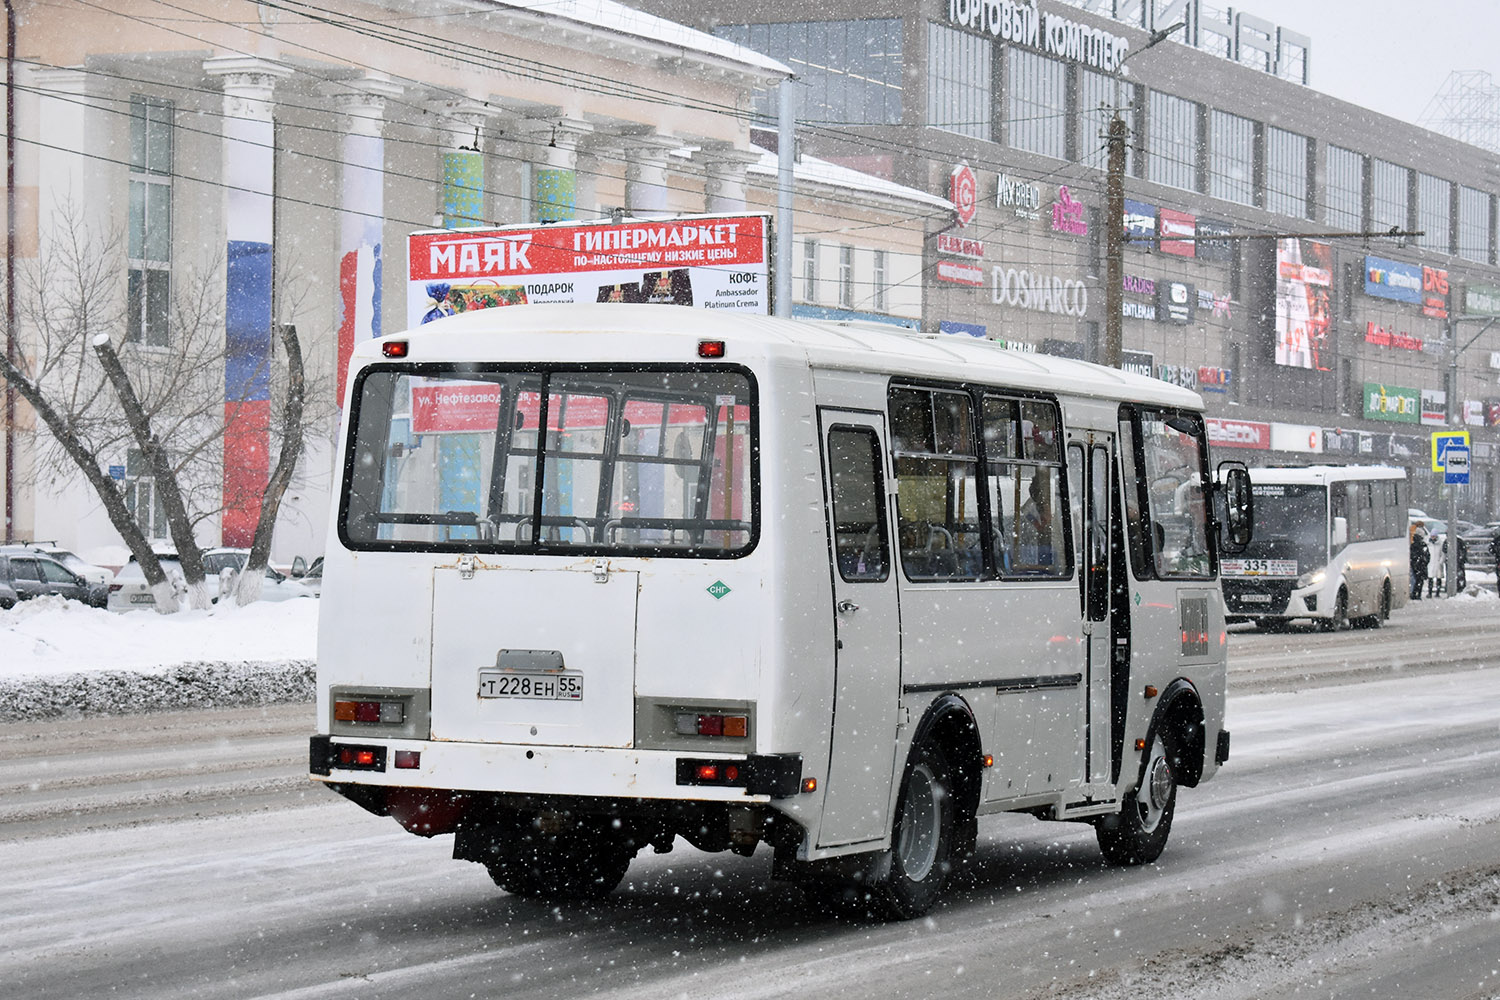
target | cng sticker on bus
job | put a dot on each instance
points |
(718, 589)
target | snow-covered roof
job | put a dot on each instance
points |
(607, 15)
(810, 169)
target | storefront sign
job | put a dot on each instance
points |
(1391, 279)
(957, 273)
(1178, 375)
(1140, 223)
(708, 262)
(961, 329)
(1392, 402)
(1238, 433)
(1380, 336)
(1027, 289)
(1473, 413)
(960, 246)
(1495, 360)
(1304, 283)
(1139, 362)
(1482, 300)
(1492, 412)
(1068, 214)
(1020, 196)
(1434, 407)
(1138, 310)
(1214, 251)
(1214, 379)
(963, 191)
(1342, 442)
(1297, 438)
(1134, 284)
(1212, 302)
(1024, 24)
(1435, 292)
(1177, 301)
(1174, 223)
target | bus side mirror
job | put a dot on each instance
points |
(1340, 531)
(1239, 508)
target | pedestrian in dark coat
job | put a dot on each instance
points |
(1419, 560)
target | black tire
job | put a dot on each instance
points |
(1138, 833)
(922, 835)
(1382, 614)
(1339, 621)
(585, 859)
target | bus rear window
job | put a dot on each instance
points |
(607, 460)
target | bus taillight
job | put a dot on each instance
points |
(710, 348)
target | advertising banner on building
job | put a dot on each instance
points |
(1473, 411)
(1392, 402)
(1435, 292)
(1297, 438)
(1434, 407)
(1212, 250)
(958, 329)
(1140, 362)
(1380, 336)
(1391, 279)
(1181, 224)
(1482, 300)
(1304, 285)
(958, 273)
(1176, 301)
(708, 262)
(1140, 223)
(1068, 214)
(1238, 433)
(1211, 379)
(960, 246)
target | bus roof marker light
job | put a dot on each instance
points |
(710, 348)
(395, 348)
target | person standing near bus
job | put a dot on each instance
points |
(1419, 559)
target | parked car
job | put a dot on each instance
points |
(30, 574)
(8, 597)
(97, 575)
(130, 592)
(310, 576)
(1477, 545)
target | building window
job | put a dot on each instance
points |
(1037, 109)
(1434, 212)
(810, 270)
(1473, 225)
(1346, 190)
(958, 82)
(141, 498)
(149, 235)
(846, 277)
(1174, 141)
(881, 299)
(1389, 196)
(1096, 104)
(850, 70)
(1287, 173)
(1231, 162)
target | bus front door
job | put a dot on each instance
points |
(867, 670)
(1090, 478)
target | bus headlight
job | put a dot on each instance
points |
(1311, 579)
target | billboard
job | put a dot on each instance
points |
(1392, 402)
(1223, 433)
(1140, 223)
(1214, 250)
(1304, 284)
(708, 262)
(1391, 279)
(1181, 224)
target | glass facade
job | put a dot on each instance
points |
(1287, 174)
(1345, 196)
(958, 82)
(149, 233)
(1434, 212)
(1389, 197)
(1174, 141)
(1037, 103)
(1231, 159)
(1473, 225)
(850, 70)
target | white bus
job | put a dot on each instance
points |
(1330, 544)
(604, 576)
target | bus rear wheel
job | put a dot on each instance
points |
(923, 835)
(1138, 833)
(581, 859)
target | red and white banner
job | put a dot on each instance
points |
(710, 262)
(963, 191)
(960, 274)
(960, 246)
(1174, 223)
(1238, 433)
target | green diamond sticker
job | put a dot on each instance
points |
(718, 588)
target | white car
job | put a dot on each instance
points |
(129, 592)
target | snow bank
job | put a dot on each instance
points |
(59, 658)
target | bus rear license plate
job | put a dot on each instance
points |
(566, 686)
(1256, 598)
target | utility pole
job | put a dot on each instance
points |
(1114, 216)
(1455, 419)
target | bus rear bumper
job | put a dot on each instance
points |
(591, 772)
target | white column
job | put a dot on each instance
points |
(463, 126)
(725, 168)
(554, 178)
(646, 172)
(62, 136)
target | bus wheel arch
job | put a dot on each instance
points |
(1179, 723)
(949, 724)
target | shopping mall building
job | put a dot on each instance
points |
(1309, 348)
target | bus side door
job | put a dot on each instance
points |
(1090, 481)
(867, 671)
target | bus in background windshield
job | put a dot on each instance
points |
(1329, 544)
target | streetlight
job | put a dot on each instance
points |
(1455, 419)
(1114, 214)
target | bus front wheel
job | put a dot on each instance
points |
(1339, 620)
(1137, 834)
(922, 838)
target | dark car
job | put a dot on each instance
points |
(1477, 544)
(31, 574)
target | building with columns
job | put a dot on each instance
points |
(273, 164)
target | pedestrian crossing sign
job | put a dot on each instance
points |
(1441, 441)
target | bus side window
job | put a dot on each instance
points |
(861, 548)
(937, 501)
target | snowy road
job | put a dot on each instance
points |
(1350, 848)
